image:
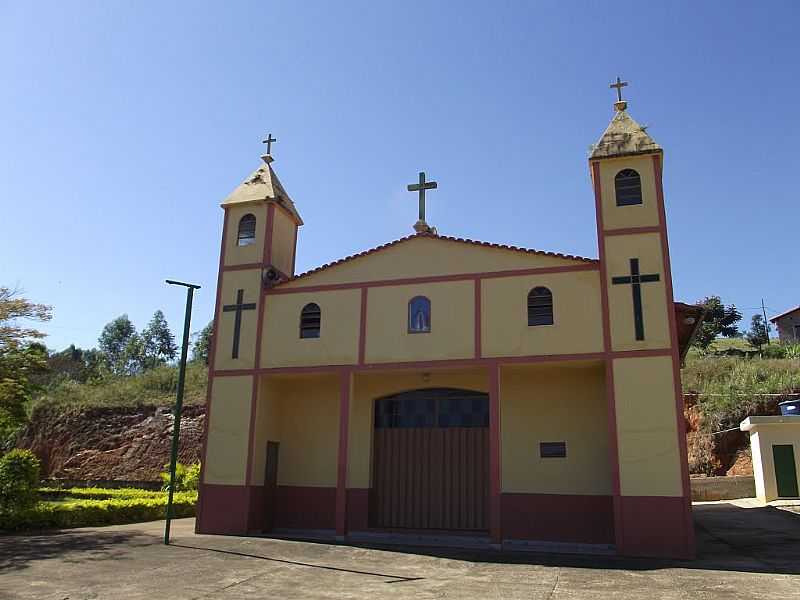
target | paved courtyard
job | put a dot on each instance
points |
(742, 553)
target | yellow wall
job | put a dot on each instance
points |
(452, 332)
(283, 241)
(339, 332)
(545, 403)
(647, 248)
(301, 412)
(649, 458)
(267, 426)
(577, 315)
(250, 282)
(237, 255)
(309, 430)
(424, 256)
(368, 387)
(639, 215)
(226, 454)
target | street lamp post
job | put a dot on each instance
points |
(176, 428)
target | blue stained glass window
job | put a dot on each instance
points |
(419, 315)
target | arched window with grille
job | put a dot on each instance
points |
(247, 231)
(540, 306)
(310, 321)
(628, 187)
(419, 315)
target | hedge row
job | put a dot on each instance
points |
(94, 513)
(96, 493)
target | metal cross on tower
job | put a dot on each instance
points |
(619, 85)
(268, 141)
(237, 322)
(635, 279)
(421, 187)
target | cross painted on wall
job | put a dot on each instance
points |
(635, 279)
(237, 321)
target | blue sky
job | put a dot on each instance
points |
(124, 125)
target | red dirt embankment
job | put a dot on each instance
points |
(131, 443)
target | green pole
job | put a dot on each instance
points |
(176, 428)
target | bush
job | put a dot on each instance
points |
(96, 493)
(186, 478)
(94, 513)
(19, 476)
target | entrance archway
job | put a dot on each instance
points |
(431, 460)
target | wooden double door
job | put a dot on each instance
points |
(431, 461)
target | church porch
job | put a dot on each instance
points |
(484, 478)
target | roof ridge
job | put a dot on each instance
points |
(426, 234)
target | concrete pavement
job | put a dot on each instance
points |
(742, 553)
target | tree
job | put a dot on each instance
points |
(21, 358)
(759, 332)
(73, 364)
(158, 343)
(203, 344)
(115, 344)
(720, 320)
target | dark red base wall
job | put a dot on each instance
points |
(305, 507)
(557, 518)
(357, 509)
(223, 509)
(656, 526)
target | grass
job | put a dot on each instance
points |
(152, 388)
(730, 388)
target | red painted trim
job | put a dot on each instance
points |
(433, 279)
(632, 230)
(611, 407)
(495, 531)
(344, 432)
(448, 363)
(676, 360)
(294, 249)
(243, 267)
(478, 322)
(305, 507)
(362, 332)
(212, 353)
(265, 260)
(227, 509)
(659, 536)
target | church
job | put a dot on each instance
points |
(450, 388)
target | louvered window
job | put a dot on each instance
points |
(628, 187)
(310, 321)
(247, 231)
(540, 307)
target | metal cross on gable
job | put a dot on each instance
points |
(268, 141)
(635, 279)
(237, 321)
(619, 85)
(421, 187)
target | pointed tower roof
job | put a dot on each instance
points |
(623, 137)
(263, 185)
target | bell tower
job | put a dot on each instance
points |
(652, 505)
(259, 240)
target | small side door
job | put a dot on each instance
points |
(785, 470)
(270, 485)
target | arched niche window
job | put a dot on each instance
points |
(540, 306)
(247, 231)
(419, 315)
(310, 321)
(628, 187)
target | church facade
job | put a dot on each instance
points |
(442, 385)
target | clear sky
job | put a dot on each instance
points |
(125, 124)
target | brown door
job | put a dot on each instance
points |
(270, 485)
(431, 460)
